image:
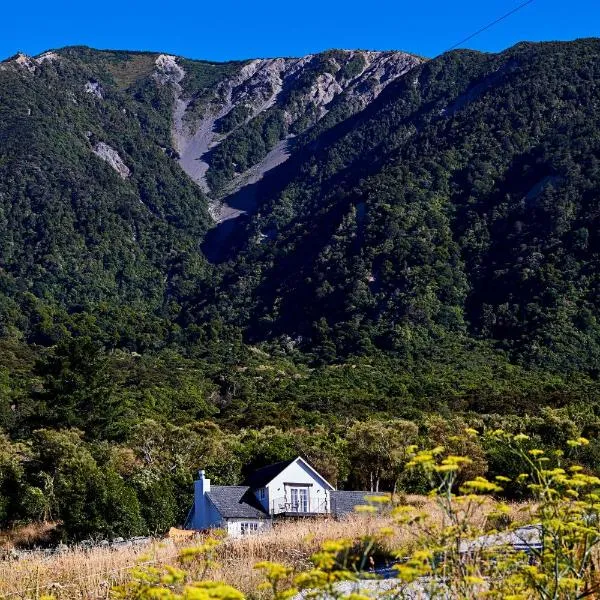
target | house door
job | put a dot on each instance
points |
(299, 497)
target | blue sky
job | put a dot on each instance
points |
(221, 30)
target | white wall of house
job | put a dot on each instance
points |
(298, 487)
(240, 527)
(205, 515)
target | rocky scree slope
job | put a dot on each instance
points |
(230, 135)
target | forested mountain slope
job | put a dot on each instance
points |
(464, 201)
(419, 199)
(97, 213)
(228, 264)
(93, 210)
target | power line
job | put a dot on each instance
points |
(489, 25)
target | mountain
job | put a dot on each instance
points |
(463, 201)
(229, 264)
(344, 202)
(96, 209)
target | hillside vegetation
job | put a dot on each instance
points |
(462, 202)
(427, 258)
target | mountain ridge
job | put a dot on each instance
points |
(258, 90)
(431, 126)
(195, 138)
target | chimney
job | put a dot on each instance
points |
(203, 482)
(201, 487)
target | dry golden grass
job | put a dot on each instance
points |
(27, 535)
(89, 574)
(76, 573)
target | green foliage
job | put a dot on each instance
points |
(245, 146)
(148, 422)
(75, 236)
(425, 264)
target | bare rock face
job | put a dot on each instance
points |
(324, 90)
(46, 57)
(25, 62)
(381, 69)
(296, 87)
(167, 70)
(255, 87)
(94, 88)
(111, 156)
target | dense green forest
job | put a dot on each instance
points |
(462, 202)
(427, 263)
(108, 443)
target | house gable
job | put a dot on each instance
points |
(298, 488)
(314, 473)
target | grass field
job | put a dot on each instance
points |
(79, 573)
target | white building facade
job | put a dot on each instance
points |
(290, 489)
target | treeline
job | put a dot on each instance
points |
(80, 383)
(144, 485)
(108, 442)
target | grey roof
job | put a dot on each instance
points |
(260, 477)
(236, 502)
(343, 502)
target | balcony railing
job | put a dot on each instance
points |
(312, 505)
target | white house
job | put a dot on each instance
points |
(291, 488)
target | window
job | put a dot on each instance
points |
(262, 493)
(247, 527)
(299, 498)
